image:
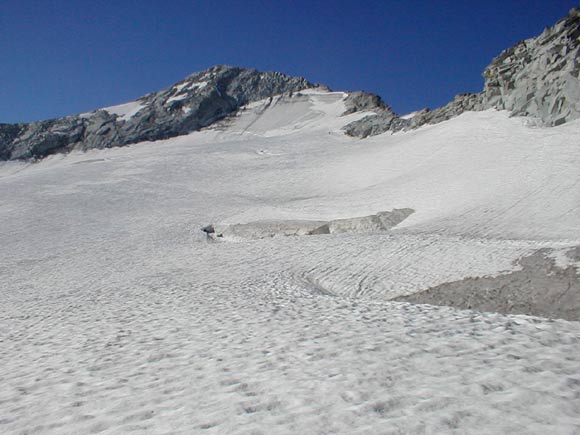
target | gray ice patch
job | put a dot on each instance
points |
(382, 221)
(540, 288)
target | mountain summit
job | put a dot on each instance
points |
(199, 100)
(538, 77)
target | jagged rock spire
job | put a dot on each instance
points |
(538, 77)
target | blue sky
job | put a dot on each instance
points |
(64, 57)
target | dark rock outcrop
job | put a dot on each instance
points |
(189, 105)
(385, 120)
(372, 125)
(461, 103)
(8, 133)
(362, 102)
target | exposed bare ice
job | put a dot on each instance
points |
(382, 221)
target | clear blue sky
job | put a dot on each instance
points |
(63, 57)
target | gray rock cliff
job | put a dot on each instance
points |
(538, 77)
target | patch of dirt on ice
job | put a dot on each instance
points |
(541, 288)
(382, 221)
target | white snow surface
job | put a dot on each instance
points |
(118, 315)
(190, 86)
(410, 115)
(125, 111)
(176, 98)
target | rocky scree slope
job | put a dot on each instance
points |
(537, 77)
(187, 106)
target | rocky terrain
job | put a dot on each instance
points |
(538, 77)
(187, 106)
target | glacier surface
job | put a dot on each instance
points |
(119, 315)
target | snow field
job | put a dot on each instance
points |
(168, 355)
(119, 316)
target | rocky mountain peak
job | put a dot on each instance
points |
(195, 102)
(537, 77)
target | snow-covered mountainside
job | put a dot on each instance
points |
(539, 77)
(187, 106)
(120, 314)
(269, 273)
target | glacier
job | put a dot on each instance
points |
(118, 314)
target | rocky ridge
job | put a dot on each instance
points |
(538, 77)
(187, 106)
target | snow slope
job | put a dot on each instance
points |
(120, 315)
(125, 111)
